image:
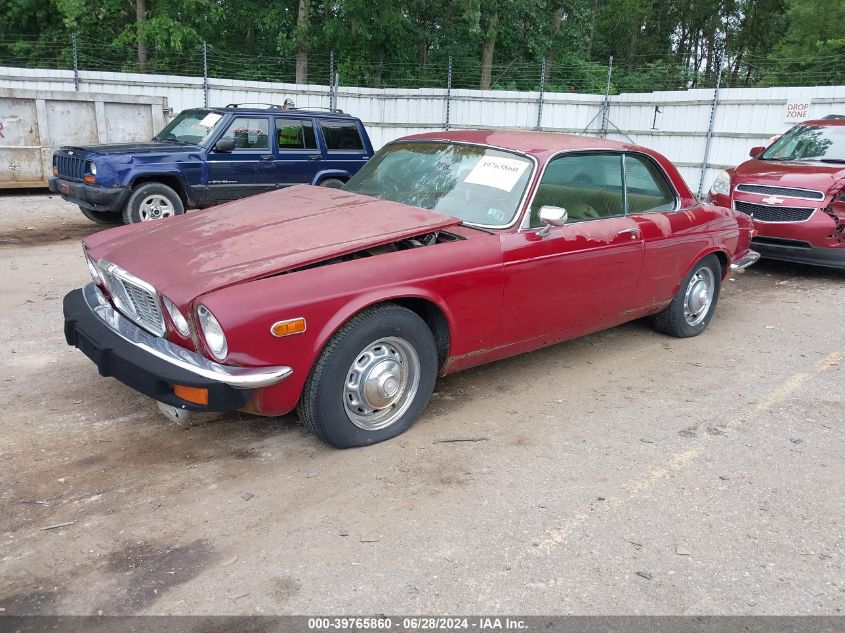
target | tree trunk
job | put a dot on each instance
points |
(557, 20)
(302, 42)
(487, 51)
(140, 18)
(593, 11)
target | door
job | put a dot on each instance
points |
(672, 237)
(579, 277)
(246, 170)
(298, 156)
(345, 149)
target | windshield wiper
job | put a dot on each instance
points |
(831, 160)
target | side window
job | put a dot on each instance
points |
(248, 133)
(588, 186)
(341, 135)
(648, 191)
(295, 134)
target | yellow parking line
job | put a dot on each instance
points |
(557, 534)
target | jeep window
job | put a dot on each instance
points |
(341, 135)
(248, 133)
(191, 126)
(809, 142)
(295, 134)
(480, 185)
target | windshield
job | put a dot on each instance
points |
(479, 185)
(809, 142)
(191, 126)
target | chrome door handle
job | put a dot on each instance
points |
(632, 232)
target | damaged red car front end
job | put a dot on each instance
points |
(794, 191)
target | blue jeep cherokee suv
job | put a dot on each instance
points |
(208, 156)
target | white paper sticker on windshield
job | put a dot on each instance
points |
(498, 172)
(210, 119)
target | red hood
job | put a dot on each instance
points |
(803, 175)
(190, 255)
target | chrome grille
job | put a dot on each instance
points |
(135, 299)
(71, 167)
(791, 192)
(766, 213)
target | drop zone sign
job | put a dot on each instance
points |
(797, 111)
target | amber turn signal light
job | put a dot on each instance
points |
(197, 395)
(55, 171)
(286, 328)
(89, 178)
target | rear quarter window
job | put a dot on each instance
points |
(341, 135)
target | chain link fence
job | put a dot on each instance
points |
(639, 73)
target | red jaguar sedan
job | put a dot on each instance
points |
(446, 251)
(795, 192)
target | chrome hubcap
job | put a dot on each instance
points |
(155, 207)
(699, 295)
(381, 383)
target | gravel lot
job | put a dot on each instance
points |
(621, 473)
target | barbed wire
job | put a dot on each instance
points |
(636, 73)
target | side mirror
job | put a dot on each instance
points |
(551, 216)
(756, 151)
(224, 145)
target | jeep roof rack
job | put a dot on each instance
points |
(238, 105)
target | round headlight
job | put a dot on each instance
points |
(722, 184)
(176, 317)
(212, 333)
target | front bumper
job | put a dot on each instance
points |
(152, 365)
(95, 198)
(800, 252)
(745, 261)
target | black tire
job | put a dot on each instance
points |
(673, 320)
(332, 183)
(322, 407)
(102, 217)
(133, 212)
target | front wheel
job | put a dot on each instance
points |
(694, 305)
(372, 380)
(332, 183)
(152, 201)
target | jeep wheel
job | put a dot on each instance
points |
(372, 380)
(102, 217)
(332, 183)
(152, 201)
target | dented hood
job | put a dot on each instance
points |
(190, 255)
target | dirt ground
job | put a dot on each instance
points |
(621, 473)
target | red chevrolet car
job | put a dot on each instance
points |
(795, 192)
(445, 251)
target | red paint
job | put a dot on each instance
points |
(501, 292)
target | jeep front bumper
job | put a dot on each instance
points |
(93, 197)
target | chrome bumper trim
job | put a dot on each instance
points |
(237, 377)
(745, 261)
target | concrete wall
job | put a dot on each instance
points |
(744, 117)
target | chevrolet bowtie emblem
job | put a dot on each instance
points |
(772, 200)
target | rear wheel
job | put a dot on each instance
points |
(332, 183)
(102, 217)
(694, 305)
(152, 201)
(372, 380)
